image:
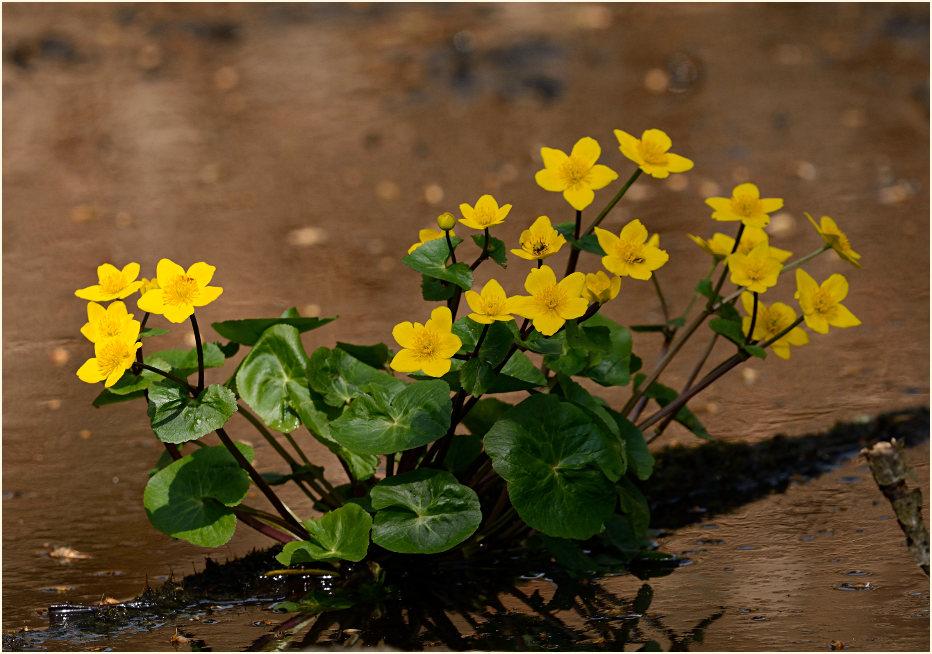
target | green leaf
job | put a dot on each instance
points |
(589, 243)
(339, 376)
(361, 466)
(498, 340)
(613, 367)
(152, 331)
(191, 498)
(614, 462)
(464, 448)
(496, 248)
(248, 331)
(484, 414)
(477, 376)
(423, 512)
(176, 417)
(519, 374)
(386, 422)
(184, 362)
(537, 342)
(704, 288)
(640, 460)
(130, 383)
(272, 375)
(729, 329)
(664, 395)
(549, 451)
(376, 356)
(431, 259)
(436, 290)
(339, 535)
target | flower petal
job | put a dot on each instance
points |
(678, 164)
(201, 272)
(90, 372)
(837, 286)
(166, 271)
(601, 176)
(539, 279)
(657, 137)
(404, 334)
(406, 361)
(587, 150)
(207, 295)
(634, 231)
(579, 197)
(436, 367)
(552, 157)
(607, 241)
(549, 179)
(441, 319)
(548, 323)
(152, 301)
(843, 317)
(628, 145)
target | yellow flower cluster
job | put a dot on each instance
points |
(173, 292)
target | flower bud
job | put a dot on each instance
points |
(446, 221)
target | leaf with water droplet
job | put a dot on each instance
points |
(176, 417)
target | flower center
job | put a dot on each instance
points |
(108, 327)
(822, 302)
(539, 247)
(745, 205)
(551, 298)
(425, 344)
(112, 356)
(653, 153)
(112, 283)
(181, 291)
(493, 306)
(573, 172)
(630, 252)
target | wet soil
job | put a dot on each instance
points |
(299, 148)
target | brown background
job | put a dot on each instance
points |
(299, 148)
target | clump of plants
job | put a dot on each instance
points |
(436, 460)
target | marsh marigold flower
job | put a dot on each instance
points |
(576, 175)
(600, 288)
(539, 241)
(836, 238)
(746, 205)
(426, 235)
(821, 304)
(757, 270)
(721, 245)
(485, 214)
(491, 304)
(427, 347)
(113, 283)
(650, 153)
(771, 321)
(631, 253)
(111, 322)
(112, 357)
(180, 291)
(551, 304)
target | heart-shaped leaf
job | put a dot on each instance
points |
(549, 452)
(383, 422)
(341, 534)
(176, 417)
(191, 498)
(274, 370)
(248, 332)
(423, 512)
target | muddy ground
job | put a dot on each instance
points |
(299, 148)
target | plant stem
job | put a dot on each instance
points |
(574, 247)
(802, 260)
(261, 484)
(167, 375)
(747, 339)
(200, 355)
(611, 205)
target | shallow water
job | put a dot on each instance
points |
(254, 136)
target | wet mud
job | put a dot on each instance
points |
(299, 148)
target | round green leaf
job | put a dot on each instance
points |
(190, 498)
(549, 452)
(431, 259)
(176, 417)
(423, 512)
(386, 421)
(341, 534)
(276, 366)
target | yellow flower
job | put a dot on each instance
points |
(821, 305)
(148, 285)
(631, 253)
(771, 321)
(650, 153)
(719, 246)
(428, 347)
(836, 239)
(112, 357)
(114, 284)
(539, 241)
(746, 205)
(551, 304)
(111, 322)
(491, 305)
(485, 214)
(427, 235)
(577, 175)
(446, 222)
(179, 291)
(756, 270)
(599, 288)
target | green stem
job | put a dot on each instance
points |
(200, 356)
(802, 260)
(261, 484)
(167, 375)
(485, 251)
(747, 339)
(611, 205)
(446, 233)
(574, 247)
